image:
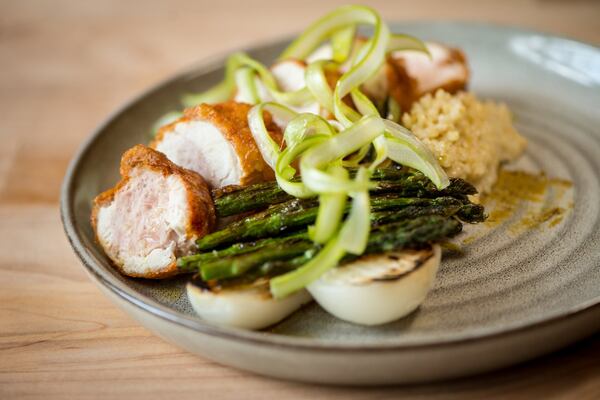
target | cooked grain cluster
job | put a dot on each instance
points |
(469, 137)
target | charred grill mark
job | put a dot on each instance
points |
(423, 258)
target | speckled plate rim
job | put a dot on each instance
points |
(147, 304)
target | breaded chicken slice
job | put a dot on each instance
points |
(289, 76)
(376, 87)
(408, 75)
(153, 215)
(412, 74)
(215, 141)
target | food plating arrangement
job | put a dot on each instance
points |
(336, 174)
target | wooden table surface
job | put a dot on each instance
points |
(64, 66)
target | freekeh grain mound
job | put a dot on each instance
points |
(470, 138)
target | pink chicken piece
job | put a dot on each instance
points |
(153, 215)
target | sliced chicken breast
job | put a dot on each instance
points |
(376, 289)
(376, 87)
(289, 75)
(153, 215)
(214, 140)
(411, 74)
(408, 75)
(247, 307)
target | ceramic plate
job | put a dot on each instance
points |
(516, 291)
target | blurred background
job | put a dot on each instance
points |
(64, 67)
(67, 64)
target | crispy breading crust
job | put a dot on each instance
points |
(404, 89)
(232, 120)
(202, 213)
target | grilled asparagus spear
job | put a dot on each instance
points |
(297, 213)
(290, 252)
(402, 182)
(448, 208)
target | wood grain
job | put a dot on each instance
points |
(68, 64)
